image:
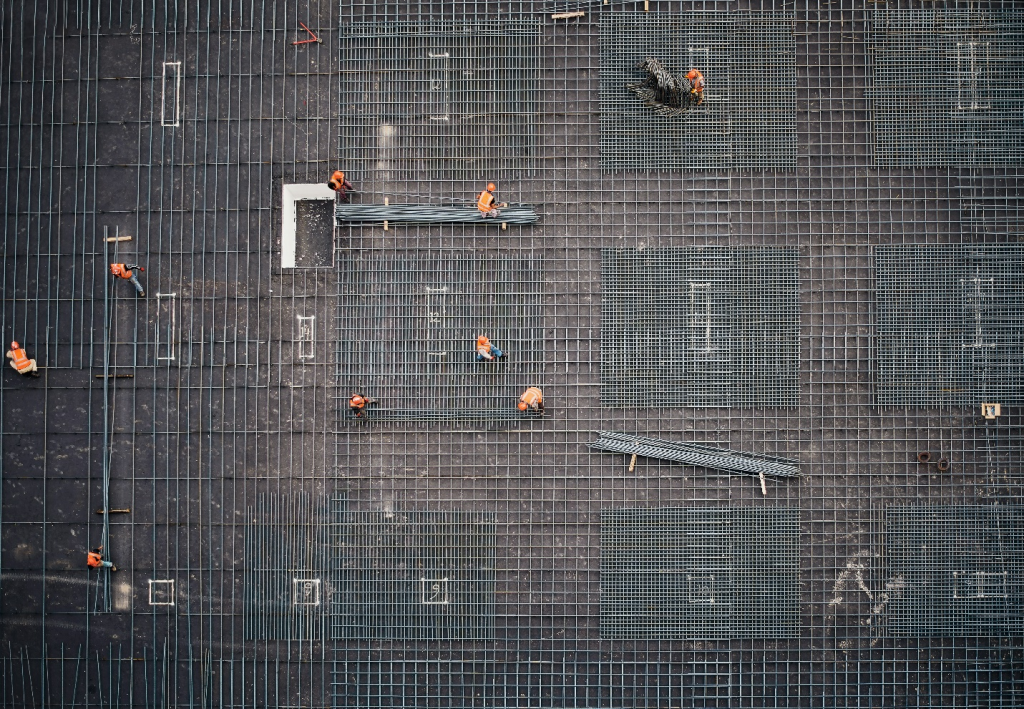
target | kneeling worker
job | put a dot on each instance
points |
(486, 204)
(532, 399)
(485, 350)
(358, 402)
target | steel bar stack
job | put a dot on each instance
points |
(428, 214)
(692, 454)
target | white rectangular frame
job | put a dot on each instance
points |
(290, 194)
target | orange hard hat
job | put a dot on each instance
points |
(341, 175)
(15, 346)
(522, 406)
(482, 340)
(491, 187)
(692, 74)
(357, 400)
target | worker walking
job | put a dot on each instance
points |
(486, 351)
(358, 402)
(124, 270)
(486, 204)
(696, 85)
(95, 560)
(532, 399)
(20, 361)
(339, 184)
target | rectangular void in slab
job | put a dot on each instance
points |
(408, 324)
(285, 567)
(442, 99)
(945, 87)
(700, 573)
(950, 324)
(307, 226)
(414, 575)
(700, 326)
(956, 570)
(748, 118)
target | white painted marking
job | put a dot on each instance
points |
(170, 100)
(166, 326)
(161, 592)
(305, 336)
(306, 592)
(434, 592)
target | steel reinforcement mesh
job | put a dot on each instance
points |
(945, 86)
(207, 423)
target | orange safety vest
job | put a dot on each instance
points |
(95, 560)
(485, 202)
(337, 180)
(118, 269)
(532, 397)
(20, 359)
(483, 347)
(698, 83)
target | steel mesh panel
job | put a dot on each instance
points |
(946, 87)
(699, 327)
(285, 579)
(748, 118)
(426, 575)
(950, 324)
(448, 100)
(955, 570)
(700, 573)
(430, 308)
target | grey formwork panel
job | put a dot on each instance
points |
(950, 324)
(956, 570)
(414, 575)
(945, 87)
(407, 327)
(285, 578)
(700, 326)
(444, 99)
(675, 573)
(748, 118)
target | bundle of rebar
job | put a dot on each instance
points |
(429, 214)
(692, 454)
(375, 414)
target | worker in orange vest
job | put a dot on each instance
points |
(20, 361)
(95, 560)
(696, 85)
(124, 270)
(339, 184)
(358, 402)
(485, 350)
(486, 204)
(532, 399)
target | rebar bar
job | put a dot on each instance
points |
(692, 454)
(426, 214)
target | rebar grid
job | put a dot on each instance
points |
(247, 408)
(945, 87)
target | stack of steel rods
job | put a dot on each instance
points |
(429, 214)
(692, 454)
(372, 414)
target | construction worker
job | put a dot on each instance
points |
(358, 402)
(20, 361)
(532, 399)
(487, 351)
(124, 270)
(696, 85)
(339, 184)
(486, 204)
(95, 560)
